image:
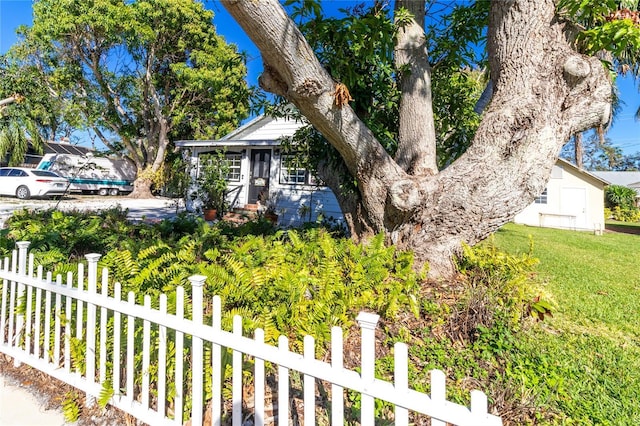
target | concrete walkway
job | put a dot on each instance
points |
(20, 407)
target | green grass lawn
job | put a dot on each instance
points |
(584, 363)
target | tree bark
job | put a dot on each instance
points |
(543, 93)
(350, 200)
(141, 188)
(416, 132)
(579, 150)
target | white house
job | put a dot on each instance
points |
(259, 169)
(573, 199)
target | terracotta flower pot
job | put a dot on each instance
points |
(210, 214)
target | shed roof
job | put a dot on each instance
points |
(593, 175)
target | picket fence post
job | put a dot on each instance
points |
(92, 284)
(236, 376)
(216, 365)
(79, 308)
(283, 384)
(368, 322)
(23, 246)
(309, 382)
(438, 392)
(337, 362)
(29, 326)
(3, 308)
(178, 401)
(401, 379)
(22, 269)
(197, 353)
(12, 299)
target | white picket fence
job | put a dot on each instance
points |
(41, 319)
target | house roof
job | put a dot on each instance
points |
(593, 175)
(620, 178)
(52, 147)
(261, 131)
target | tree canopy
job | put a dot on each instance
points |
(34, 117)
(138, 74)
(546, 86)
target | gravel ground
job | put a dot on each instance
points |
(139, 209)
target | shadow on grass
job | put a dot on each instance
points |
(625, 228)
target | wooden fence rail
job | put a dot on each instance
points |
(165, 366)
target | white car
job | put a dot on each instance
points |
(25, 183)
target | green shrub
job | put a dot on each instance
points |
(620, 196)
(626, 214)
(498, 288)
(298, 283)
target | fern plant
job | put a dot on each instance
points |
(71, 407)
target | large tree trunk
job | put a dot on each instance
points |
(543, 93)
(349, 199)
(142, 184)
(142, 188)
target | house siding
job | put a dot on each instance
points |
(575, 200)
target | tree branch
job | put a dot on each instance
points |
(293, 71)
(416, 134)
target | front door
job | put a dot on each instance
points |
(259, 177)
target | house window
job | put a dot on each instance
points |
(542, 199)
(292, 172)
(234, 160)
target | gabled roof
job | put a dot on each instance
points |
(261, 131)
(592, 175)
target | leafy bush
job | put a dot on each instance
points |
(620, 196)
(299, 283)
(626, 214)
(497, 288)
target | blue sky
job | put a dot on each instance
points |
(624, 133)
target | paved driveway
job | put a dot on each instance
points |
(20, 407)
(139, 209)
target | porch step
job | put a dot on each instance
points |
(251, 207)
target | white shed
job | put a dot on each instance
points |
(573, 199)
(259, 168)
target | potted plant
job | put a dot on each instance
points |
(212, 184)
(268, 208)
